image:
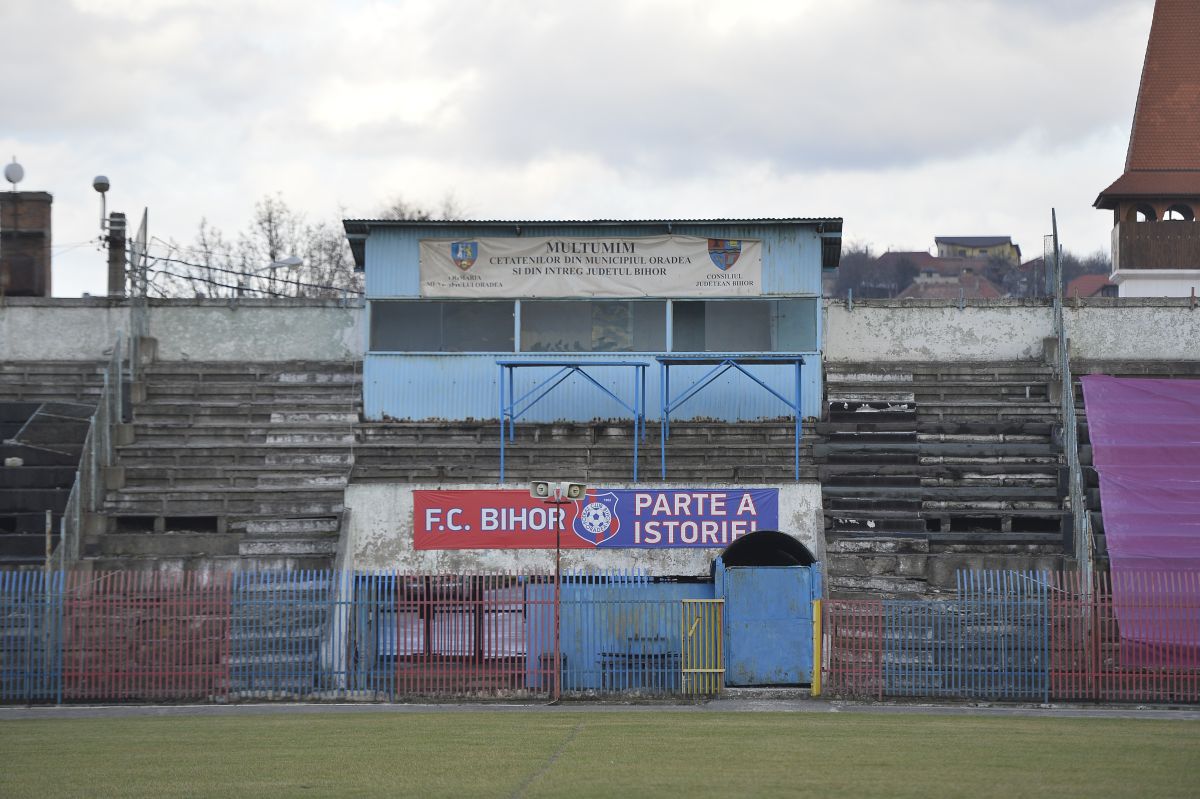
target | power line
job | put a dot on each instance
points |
(199, 279)
(297, 283)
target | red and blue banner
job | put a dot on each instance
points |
(616, 518)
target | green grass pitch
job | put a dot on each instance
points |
(581, 754)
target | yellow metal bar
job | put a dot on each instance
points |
(817, 659)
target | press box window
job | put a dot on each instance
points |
(744, 325)
(593, 326)
(439, 326)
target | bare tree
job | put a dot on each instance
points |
(401, 209)
(254, 266)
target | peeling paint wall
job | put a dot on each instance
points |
(899, 330)
(380, 536)
(40, 329)
(936, 330)
(1134, 329)
(1100, 328)
(36, 329)
(284, 330)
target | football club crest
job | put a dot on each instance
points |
(464, 253)
(596, 521)
(724, 252)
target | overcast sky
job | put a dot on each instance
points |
(909, 118)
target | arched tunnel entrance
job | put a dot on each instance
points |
(768, 580)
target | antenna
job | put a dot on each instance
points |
(14, 173)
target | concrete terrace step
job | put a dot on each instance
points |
(203, 435)
(220, 478)
(864, 424)
(192, 415)
(302, 371)
(959, 493)
(973, 370)
(750, 432)
(916, 471)
(939, 448)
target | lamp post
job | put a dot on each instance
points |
(557, 493)
(291, 262)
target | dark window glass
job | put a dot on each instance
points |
(441, 326)
(745, 325)
(593, 326)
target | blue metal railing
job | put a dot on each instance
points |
(669, 402)
(31, 628)
(513, 406)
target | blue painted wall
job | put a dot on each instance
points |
(791, 253)
(466, 386)
(417, 386)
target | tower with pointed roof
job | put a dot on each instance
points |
(1156, 201)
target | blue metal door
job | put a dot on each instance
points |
(768, 625)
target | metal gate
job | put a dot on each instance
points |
(768, 624)
(702, 660)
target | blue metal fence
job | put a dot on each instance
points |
(31, 626)
(995, 648)
(154, 636)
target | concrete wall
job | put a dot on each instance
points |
(274, 330)
(198, 330)
(39, 329)
(379, 536)
(936, 330)
(1105, 328)
(1100, 328)
(874, 330)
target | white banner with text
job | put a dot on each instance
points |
(651, 266)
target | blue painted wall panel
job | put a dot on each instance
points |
(466, 386)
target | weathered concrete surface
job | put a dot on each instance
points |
(936, 330)
(1159, 329)
(1100, 328)
(279, 330)
(381, 520)
(40, 329)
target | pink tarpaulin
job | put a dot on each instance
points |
(1145, 437)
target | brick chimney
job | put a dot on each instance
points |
(25, 243)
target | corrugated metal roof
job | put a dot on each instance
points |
(559, 222)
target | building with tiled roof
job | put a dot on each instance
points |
(1155, 202)
(966, 286)
(1090, 286)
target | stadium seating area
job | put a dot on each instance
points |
(44, 413)
(929, 468)
(229, 462)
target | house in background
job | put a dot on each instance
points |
(967, 285)
(984, 247)
(1090, 286)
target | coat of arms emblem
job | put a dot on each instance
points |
(464, 253)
